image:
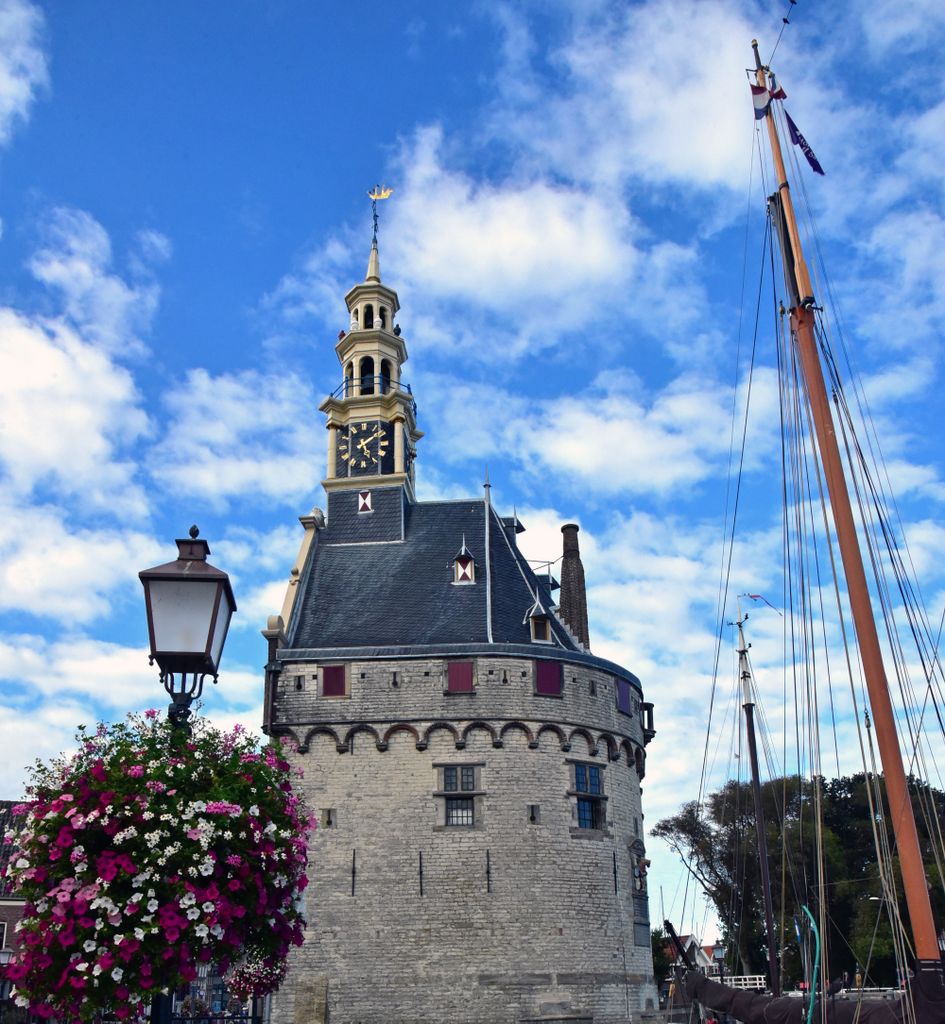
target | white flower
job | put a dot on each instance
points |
(139, 934)
(117, 974)
(119, 939)
(216, 931)
(206, 868)
(188, 900)
(82, 967)
(96, 970)
(152, 905)
(22, 863)
(202, 931)
(254, 811)
(89, 945)
(193, 914)
(208, 907)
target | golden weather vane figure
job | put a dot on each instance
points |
(378, 192)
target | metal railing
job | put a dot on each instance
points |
(353, 387)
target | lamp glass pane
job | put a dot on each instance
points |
(181, 611)
(224, 612)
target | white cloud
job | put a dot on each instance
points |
(41, 733)
(260, 602)
(69, 574)
(614, 435)
(622, 110)
(503, 246)
(66, 413)
(77, 680)
(240, 433)
(23, 69)
(244, 548)
(906, 28)
(75, 260)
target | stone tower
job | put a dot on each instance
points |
(476, 771)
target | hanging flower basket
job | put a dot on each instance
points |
(148, 852)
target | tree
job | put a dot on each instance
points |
(718, 844)
(662, 963)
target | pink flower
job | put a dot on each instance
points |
(151, 713)
(135, 771)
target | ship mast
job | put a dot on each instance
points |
(744, 674)
(928, 959)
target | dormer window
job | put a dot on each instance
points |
(464, 566)
(539, 623)
(541, 629)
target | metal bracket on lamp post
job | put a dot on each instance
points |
(183, 688)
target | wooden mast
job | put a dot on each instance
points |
(929, 963)
(744, 673)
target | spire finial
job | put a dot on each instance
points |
(378, 192)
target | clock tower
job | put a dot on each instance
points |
(476, 770)
(371, 415)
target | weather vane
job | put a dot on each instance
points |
(378, 192)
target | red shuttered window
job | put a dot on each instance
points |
(333, 681)
(459, 677)
(548, 678)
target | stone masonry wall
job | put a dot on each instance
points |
(519, 913)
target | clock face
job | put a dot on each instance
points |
(363, 447)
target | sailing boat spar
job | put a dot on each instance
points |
(924, 999)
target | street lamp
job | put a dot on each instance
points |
(189, 603)
(718, 955)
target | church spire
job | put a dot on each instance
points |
(374, 266)
(371, 416)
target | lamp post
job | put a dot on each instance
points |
(189, 604)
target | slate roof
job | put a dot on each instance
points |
(400, 593)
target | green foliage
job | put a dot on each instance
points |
(718, 843)
(661, 962)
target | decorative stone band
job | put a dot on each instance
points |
(343, 732)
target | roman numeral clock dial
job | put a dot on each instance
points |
(363, 447)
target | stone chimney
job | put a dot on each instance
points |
(573, 603)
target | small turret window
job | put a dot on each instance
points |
(541, 629)
(382, 311)
(539, 623)
(385, 374)
(367, 375)
(368, 316)
(349, 380)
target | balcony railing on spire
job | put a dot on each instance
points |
(355, 387)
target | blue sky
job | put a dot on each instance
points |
(183, 206)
